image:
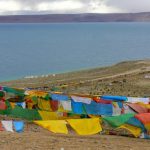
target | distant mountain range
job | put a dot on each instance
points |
(50, 18)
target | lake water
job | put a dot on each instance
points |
(36, 49)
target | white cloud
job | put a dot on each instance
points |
(9, 6)
(131, 5)
(77, 6)
(61, 6)
(101, 7)
(55, 6)
(72, 6)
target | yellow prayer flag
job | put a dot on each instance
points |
(32, 93)
(85, 126)
(134, 130)
(96, 116)
(45, 115)
(44, 104)
(144, 105)
(12, 105)
(56, 126)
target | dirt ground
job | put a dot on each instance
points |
(37, 138)
(127, 78)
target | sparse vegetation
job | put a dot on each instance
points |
(127, 78)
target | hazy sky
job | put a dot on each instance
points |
(72, 6)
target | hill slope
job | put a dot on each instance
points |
(49, 18)
(127, 78)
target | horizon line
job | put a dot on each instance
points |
(42, 14)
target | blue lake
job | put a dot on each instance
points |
(36, 49)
